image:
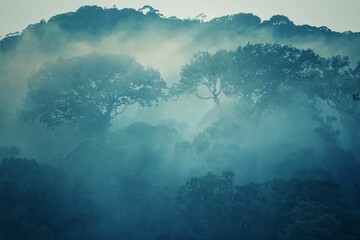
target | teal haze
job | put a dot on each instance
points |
(337, 15)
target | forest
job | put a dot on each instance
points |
(125, 124)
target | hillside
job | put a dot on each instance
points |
(125, 124)
(92, 23)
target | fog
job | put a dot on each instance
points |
(144, 127)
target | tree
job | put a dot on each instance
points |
(326, 130)
(41, 202)
(254, 213)
(313, 220)
(205, 202)
(338, 86)
(90, 90)
(7, 152)
(260, 72)
(203, 76)
(289, 193)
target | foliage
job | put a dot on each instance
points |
(36, 203)
(254, 213)
(203, 77)
(131, 178)
(90, 90)
(312, 220)
(8, 152)
(285, 209)
(255, 73)
(206, 203)
(338, 86)
(260, 71)
(326, 130)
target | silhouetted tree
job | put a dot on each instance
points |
(90, 90)
(338, 86)
(203, 77)
(260, 72)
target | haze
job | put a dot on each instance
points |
(119, 123)
(337, 15)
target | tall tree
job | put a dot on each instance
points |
(90, 90)
(203, 76)
(260, 71)
(339, 86)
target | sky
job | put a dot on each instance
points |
(338, 15)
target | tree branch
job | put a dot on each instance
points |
(343, 109)
(116, 111)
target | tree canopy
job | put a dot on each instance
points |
(266, 75)
(203, 76)
(260, 70)
(41, 202)
(90, 90)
